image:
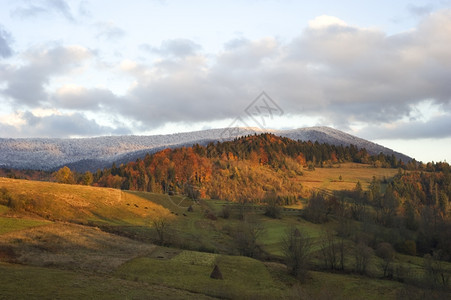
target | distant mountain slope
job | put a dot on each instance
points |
(92, 153)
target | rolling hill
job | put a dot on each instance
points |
(93, 153)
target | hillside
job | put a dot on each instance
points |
(77, 203)
(93, 153)
(246, 169)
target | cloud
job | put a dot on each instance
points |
(438, 127)
(420, 10)
(57, 125)
(44, 7)
(26, 83)
(341, 73)
(80, 98)
(174, 47)
(109, 31)
(325, 21)
(5, 38)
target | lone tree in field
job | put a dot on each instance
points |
(296, 247)
(160, 224)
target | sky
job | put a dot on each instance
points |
(380, 70)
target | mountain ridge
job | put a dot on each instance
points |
(84, 154)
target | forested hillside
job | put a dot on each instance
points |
(245, 169)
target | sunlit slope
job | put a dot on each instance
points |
(343, 176)
(76, 203)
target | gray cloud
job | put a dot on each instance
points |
(109, 31)
(438, 127)
(175, 47)
(44, 7)
(420, 10)
(5, 38)
(60, 126)
(25, 84)
(343, 73)
(79, 98)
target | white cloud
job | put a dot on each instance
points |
(325, 21)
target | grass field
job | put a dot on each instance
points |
(14, 224)
(81, 204)
(25, 282)
(351, 173)
(243, 277)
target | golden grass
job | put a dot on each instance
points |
(81, 203)
(329, 178)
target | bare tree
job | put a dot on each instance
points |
(160, 224)
(296, 247)
(246, 234)
(362, 256)
(332, 251)
(387, 253)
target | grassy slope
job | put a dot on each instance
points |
(24, 282)
(81, 204)
(351, 173)
(243, 277)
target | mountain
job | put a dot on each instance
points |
(99, 152)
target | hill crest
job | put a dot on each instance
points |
(99, 152)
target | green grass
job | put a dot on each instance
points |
(341, 286)
(15, 224)
(23, 282)
(3, 209)
(243, 277)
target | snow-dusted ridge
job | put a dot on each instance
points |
(92, 153)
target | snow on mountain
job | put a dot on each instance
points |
(92, 153)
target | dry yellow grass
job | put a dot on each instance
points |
(81, 203)
(71, 246)
(329, 178)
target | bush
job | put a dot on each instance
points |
(225, 213)
(273, 211)
(408, 247)
(5, 196)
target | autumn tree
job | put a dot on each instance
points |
(64, 175)
(87, 178)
